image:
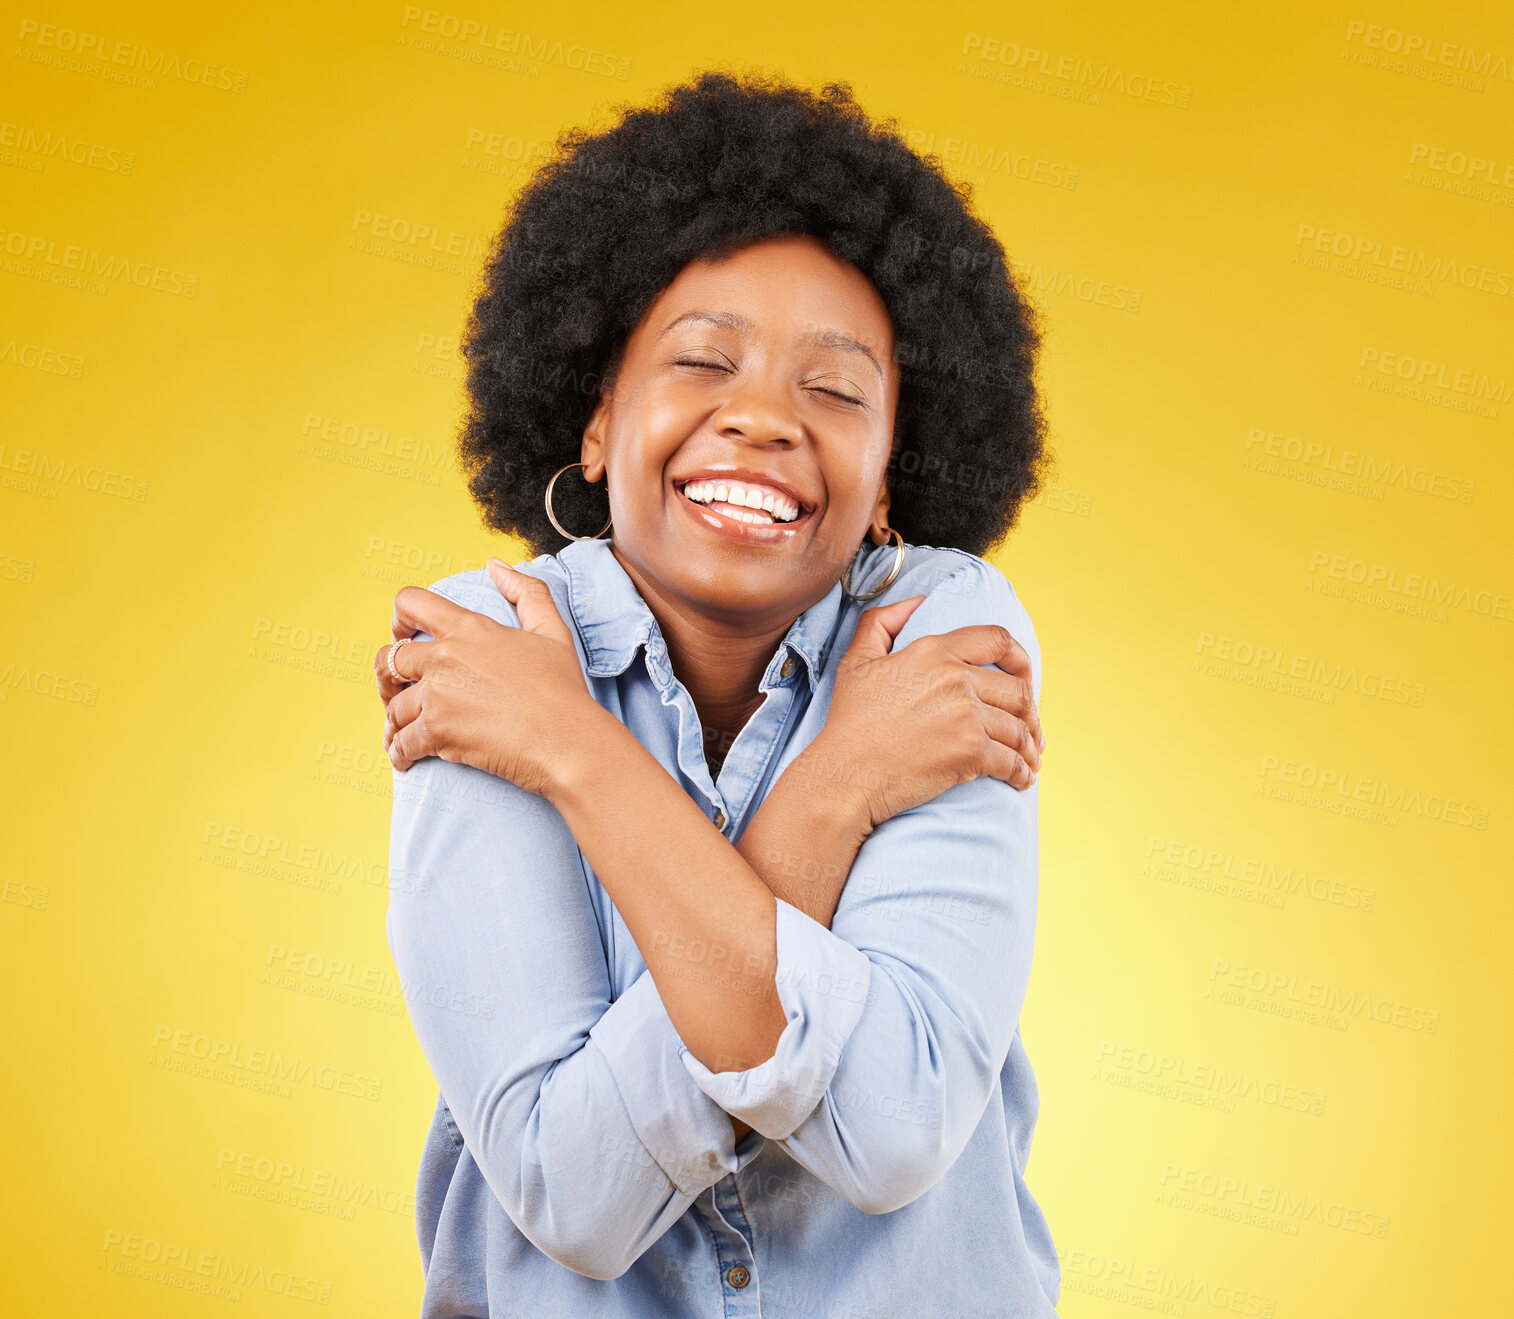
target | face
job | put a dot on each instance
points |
(769, 372)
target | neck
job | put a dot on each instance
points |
(720, 662)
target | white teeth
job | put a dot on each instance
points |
(779, 507)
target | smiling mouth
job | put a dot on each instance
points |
(782, 513)
(744, 526)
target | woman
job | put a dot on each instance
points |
(714, 854)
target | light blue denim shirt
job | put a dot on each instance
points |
(581, 1162)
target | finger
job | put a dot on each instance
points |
(879, 627)
(386, 685)
(532, 599)
(1014, 733)
(388, 688)
(988, 643)
(410, 743)
(403, 710)
(1009, 766)
(410, 659)
(419, 610)
(1010, 692)
(1005, 755)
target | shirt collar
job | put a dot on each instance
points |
(615, 622)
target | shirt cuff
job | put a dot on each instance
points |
(822, 983)
(684, 1130)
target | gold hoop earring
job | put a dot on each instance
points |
(553, 517)
(887, 581)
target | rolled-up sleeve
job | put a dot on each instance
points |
(878, 1094)
(578, 1111)
(683, 1128)
(822, 983)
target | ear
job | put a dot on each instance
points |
(878, 528)
(592, 452)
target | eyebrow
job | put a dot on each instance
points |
(728, 320)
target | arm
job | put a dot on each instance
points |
(821, 831)
(940, 908)
(805, 835)
(509, 1115)
(703, 920)
(856, 773)
(702, 914)
(587, 1127)
(903, 724)
(680, 885)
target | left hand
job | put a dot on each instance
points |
(510, 701)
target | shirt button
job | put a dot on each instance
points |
(720, 819)
(788, 667)
(737, 1276)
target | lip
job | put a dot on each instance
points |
(752, 476)
(748, 533)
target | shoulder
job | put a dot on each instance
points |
(960, 590)
(476, 590)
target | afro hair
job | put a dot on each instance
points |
(610, 218)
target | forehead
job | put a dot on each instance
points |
(785, 286)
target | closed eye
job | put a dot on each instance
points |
(721, 366)
(836, 393)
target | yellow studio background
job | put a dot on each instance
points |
(1271, 582)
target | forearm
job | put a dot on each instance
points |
(807, 832)
(803, 840)
(703, 918)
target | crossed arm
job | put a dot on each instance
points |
(760, 1051)
(629, 817)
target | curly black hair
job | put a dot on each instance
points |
(609, 220)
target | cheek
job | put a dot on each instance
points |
(857, 472)
(657, 417)
(871, 474)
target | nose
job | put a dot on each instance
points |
(758, 412)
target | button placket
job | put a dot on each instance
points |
(739, 1266)
(768, 730)
(675, 696)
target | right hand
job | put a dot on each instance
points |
(905, 726)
